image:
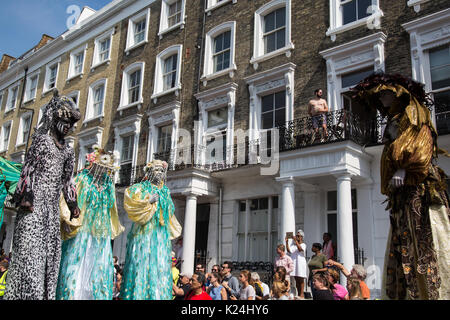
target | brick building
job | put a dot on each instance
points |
(181, 80)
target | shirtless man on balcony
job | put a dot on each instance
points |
(317, 109)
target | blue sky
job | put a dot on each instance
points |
(22, 22)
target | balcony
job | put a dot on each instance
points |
(129, 175)
(163, 156)
(442, 113)
(342, 125)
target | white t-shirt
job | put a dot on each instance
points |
(245, 293)
(266, 290)
(298, 257)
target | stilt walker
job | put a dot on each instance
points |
(87, 268)
(48, 169)
(148, 264)
(417, 263)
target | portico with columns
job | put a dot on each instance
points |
(313, 171)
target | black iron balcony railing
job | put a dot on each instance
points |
(442, 114)
(164, 156)
(129, 174)
(341, 125)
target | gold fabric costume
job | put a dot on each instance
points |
(416, 266)
(70, 228)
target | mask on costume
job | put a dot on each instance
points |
(101, 165)
(156, 172)
(60, 114)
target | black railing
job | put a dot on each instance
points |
(359, 256)
(264, 269)
(442, 113)
(164, 156)
(129, 175)
(341, 125)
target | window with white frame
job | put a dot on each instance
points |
(273, 110)
(138, 30)
(215, 134)
(440, 74)
(51, 76)
(271, 99)
(24, 128)
(76, 63)
(96, 100)
(272, 32)
(332, 215)
(13, 93)
(168, 71)
(132, 85)
(31, 87)
(6, 132)
(275, 30)
(353, 10)
(164, 143)
(75, 95)
(257, 229)
(102, 49)
(163, 130)
(220, 51)
(348, 14)
(172, 15)
(1, 100)
(214, 4)
(127, 149)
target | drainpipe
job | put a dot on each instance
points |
(220, 225)
(21, 107)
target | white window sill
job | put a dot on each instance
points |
(2, 151)
(47, 91)
(134, 46)
(341, 29)
(20, 145)
(138, 103)
(218, 5)
(86, 121)
(230, 71)
(93, 67)
(286, 50)
(9, 110)
(30, 100)
(175, 89)
(80, 75)
(175, 26)
(416, 4)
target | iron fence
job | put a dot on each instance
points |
(442, 113)
(341, 125)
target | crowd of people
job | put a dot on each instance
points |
(291, 270)
(4, 265)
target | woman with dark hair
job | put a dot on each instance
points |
(323, 288)
(417, 258)
(316, 263)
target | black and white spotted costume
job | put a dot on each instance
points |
(36, 252)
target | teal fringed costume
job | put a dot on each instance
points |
(9, 177)
(147, 271)
(87, 270)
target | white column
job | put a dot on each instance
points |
(345, 222)
(269, 229)
(10, 219)
(287, 208)
(312, 219)
(190, 221)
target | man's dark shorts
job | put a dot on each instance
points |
(319, 120)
